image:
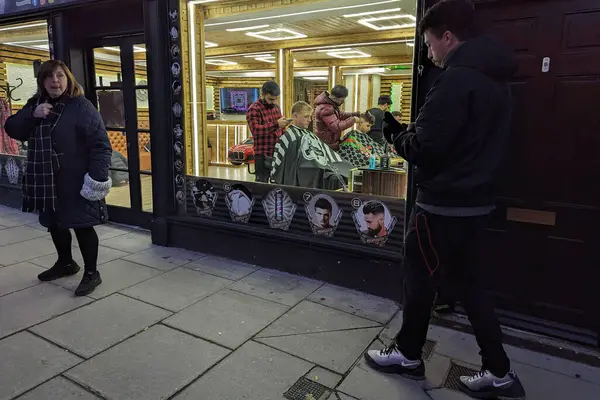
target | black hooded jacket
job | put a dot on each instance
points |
(460, 137)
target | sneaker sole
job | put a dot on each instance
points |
(393, 369)
(487, 396)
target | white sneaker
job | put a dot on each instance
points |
(485, 385)
(391, 360)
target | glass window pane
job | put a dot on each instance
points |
(111, 107)
(107, 64)
(146, 181)
(145, 148)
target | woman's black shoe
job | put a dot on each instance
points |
(91, 280)
(59, 270)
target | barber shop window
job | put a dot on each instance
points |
(295, 95)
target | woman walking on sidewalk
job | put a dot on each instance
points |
(66, 177)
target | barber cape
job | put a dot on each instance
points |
(302, 159)
(356, 148)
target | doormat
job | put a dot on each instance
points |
(454, 373)
(428, 349)
(306, 389)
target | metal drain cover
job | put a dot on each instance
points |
(428, 349)
(454, 373)
(306, 389)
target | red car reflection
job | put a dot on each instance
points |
(242, 153)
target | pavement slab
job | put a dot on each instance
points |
(116, 275)
(365, 383)
(80, 332)
(19, 234)
(164, 258)
(309, 317)
(150, 366)
(357, 303)
(223, 267)
(18, 277)
(229, 318)
(28, 361)
(277, 286)
(253, 372)
(26, 250)
(28, 307)
(105, 254)
(132, 242)
(336, 351)
(58, 388)
(177, 289)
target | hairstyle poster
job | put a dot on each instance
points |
(204, 197)
(239, 201)
(373, 220)
(279, 209)
(323, 214)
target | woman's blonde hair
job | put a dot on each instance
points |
(74, 89)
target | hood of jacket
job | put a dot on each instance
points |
(323, 99)
(487, 55)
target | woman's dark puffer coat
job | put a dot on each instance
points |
(80, 140)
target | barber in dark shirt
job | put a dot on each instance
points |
(384, 104)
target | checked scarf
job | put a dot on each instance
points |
(39, 183)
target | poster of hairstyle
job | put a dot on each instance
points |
(323, 214)
(279, 209)
(374, 222)
(204, 197)
(239, 201)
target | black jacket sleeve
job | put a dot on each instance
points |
(20, 126)
(440, 121)
(91, 126)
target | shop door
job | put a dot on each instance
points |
(118, 79)
(543, 248)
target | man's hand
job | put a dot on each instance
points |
(283, 123)
(42, 110)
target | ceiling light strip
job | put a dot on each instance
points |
(353, 44)
(372, 12)
(18, 27)
(304, 13)
(248, 28)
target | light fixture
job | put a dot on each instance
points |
(349, 54)
(329, 48)
(372, 12)
(220, 62)
(323, 10)
(266, 55)
(368, 22)
(208, 45)
(117, 49)
(138, 49)
(193, 76)
(374, 70)
(29, 42)
(337, 50)
(410, 44)
(194, 2)
(270, 60)
(316, 78)
(287, 34)
(247, 28)
(17, 27)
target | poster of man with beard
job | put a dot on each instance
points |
(374, 222)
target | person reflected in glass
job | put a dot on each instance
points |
(266, 124)
(384, 103)
(330, 121)
(67, 171)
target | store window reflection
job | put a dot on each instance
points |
(23, 48)
(364, 50)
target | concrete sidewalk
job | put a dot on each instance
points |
(172, 324)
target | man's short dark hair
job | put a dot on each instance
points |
(456, 16)
(382, 100)
(323, 204)
(271, 88)
(396, 113)
(373, 207)
(339, 91)
(368, 117)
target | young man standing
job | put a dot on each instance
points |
(383, 105)
(457, 144)
(330, 121)
(266, 125)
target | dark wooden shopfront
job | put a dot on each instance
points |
(542, 248)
